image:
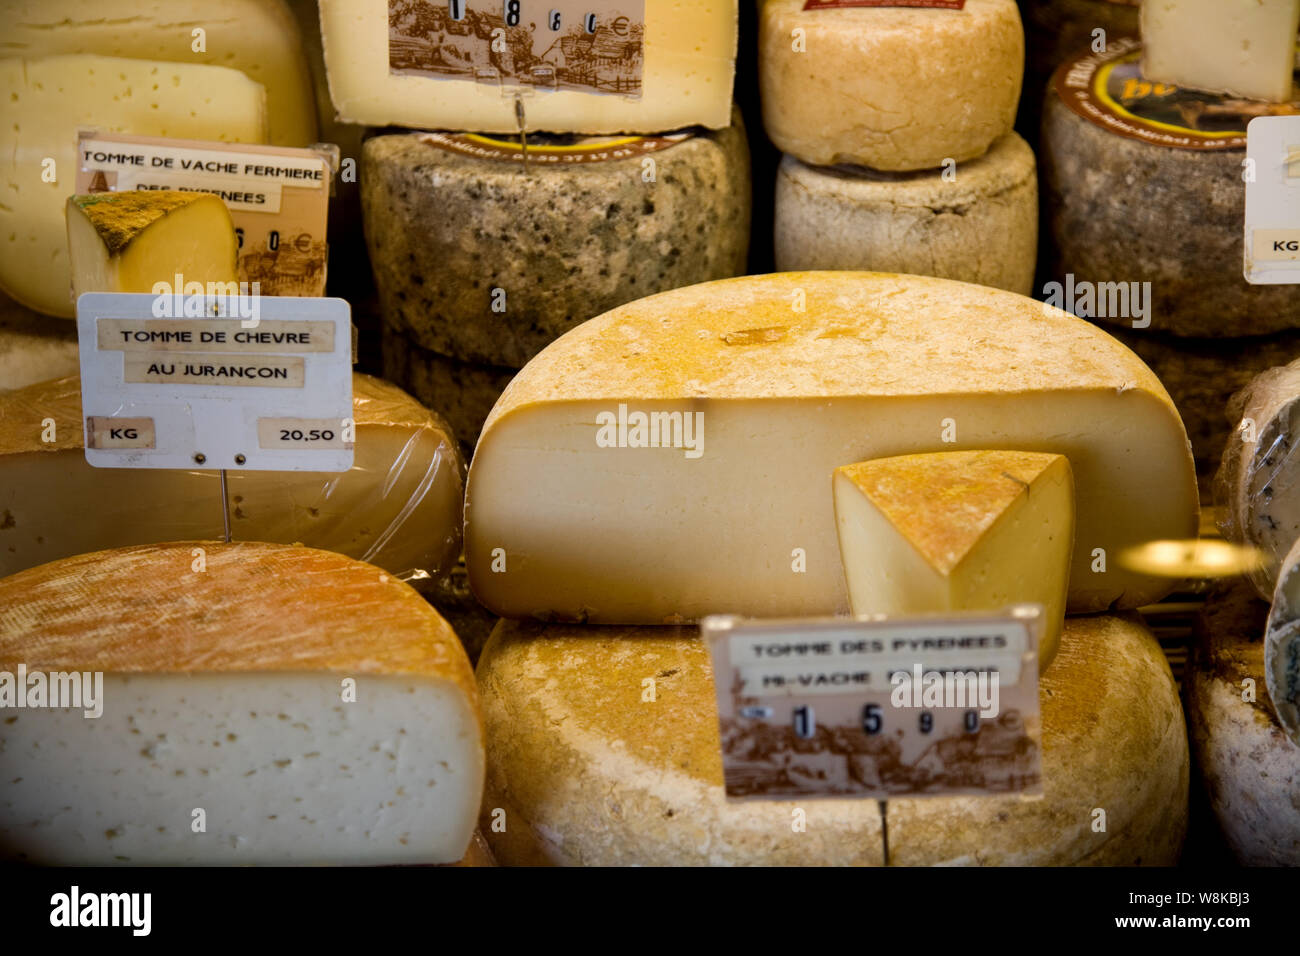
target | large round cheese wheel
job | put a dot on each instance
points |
(587, 773)
(892, 88)
(977, 222)
(33, 347)
(1250, 768)
(575, 231)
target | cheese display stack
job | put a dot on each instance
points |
(896, 125)
(252, 703)
(529, 217)
(399, 507)
(690, 453)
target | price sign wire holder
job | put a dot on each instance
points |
(884, 829)
(225, 507)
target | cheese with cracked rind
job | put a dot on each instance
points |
(958, 531)
(49, 99)
(874, 365)
(893, 88)
(225, 689)
(590, 773)
(399, 507)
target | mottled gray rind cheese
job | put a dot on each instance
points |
(34, 347)
(1123, 210)
(1282, 645)
(1250, 769)
(1201, 375)
(589, 773)
(1258, 484)
(980, 227)
(565, 242)
(461, 392)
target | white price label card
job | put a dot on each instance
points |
(1272, 175)
(240, 382)
(878, 708)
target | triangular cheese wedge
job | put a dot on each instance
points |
(127, 241)
(955, 531)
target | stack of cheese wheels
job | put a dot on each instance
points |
(595, 161)
(1249, 767)
(1144, 198)
(763, 389)
(896, 125)
(250, 703)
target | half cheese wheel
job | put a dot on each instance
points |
(587, 773)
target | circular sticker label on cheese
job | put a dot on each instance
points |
(552, 150)
(1110, 90)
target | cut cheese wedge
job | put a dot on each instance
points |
(588, 771)
(127, 242)
(399, 507)
(672, 458)
(48, 99)
(977, 530)
(260, 704)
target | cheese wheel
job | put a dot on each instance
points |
(484, 258)
(33, 348)
(311, 708)
(463, 393)
(1165, 210)
(1258, 483)
(760, 388)
(976, 223)
(587, 773)
(1249, 768)
(893, 88)
(1282, 645)
(399, 507)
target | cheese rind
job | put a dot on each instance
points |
(225, 689)
(1249, 767)
(1282, 646)
(127, 242)
(978, 223)
(259, 38)
(958, 531)
(873, 366)
(689, 65)
(48, 100)
(399, 507)
(590, 773)
(1244, 48)
(887, 87)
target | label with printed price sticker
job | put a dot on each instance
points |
(878, 708)
(214, 381)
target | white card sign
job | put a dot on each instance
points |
(208, 382)
(1273, 200)
(878, 708)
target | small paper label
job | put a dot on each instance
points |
(1272, 226)
(162, 368)
(278, 197)
(878, 708)
(831, 4)
(1277, 245)
(119, 432)
(207, 335)
(301, 433)
(584, 46)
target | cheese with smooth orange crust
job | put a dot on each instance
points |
(672, 458)
(259, 703)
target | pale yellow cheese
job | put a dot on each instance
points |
(399, 507)
(47, 100)
(958, 531)
(689, 64)
(310, 708)
(783, 379)
(129, 241)
(259, 38)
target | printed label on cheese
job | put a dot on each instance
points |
(583, 149)
(832, 4)
(207, 335)
(1277, 245)
(878, 708)
(119, 432)
(1109, 90)
(304, 432)
(162, 368)
(278, 197)
(588, 46)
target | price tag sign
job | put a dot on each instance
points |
(878, 708)
(1273, 200)
(241, 383)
